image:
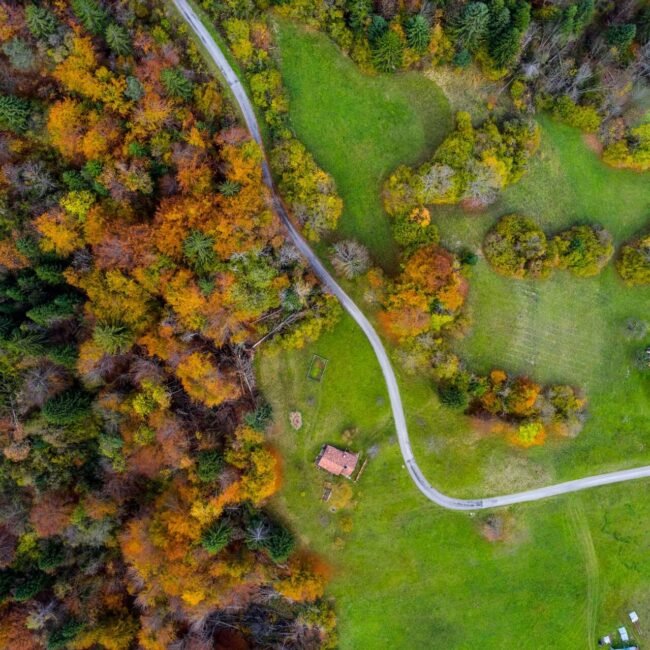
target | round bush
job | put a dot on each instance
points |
(517, 247)
(584, 250)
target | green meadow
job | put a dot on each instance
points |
(407, 574)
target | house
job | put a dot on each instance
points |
(337, 462)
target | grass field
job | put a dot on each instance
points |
(408, 574)
(359, 127)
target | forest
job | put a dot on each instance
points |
(141, 266)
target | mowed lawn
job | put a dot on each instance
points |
(358, 127)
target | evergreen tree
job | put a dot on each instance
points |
(114, 338)
(62, 636)
(20, 54)
(279, 544)
(377, 28)
(198, 248)
(176, 83)
(216, 537)
(134, 89)
(41, 22)
(229, 188)
(61, 308)
(358, 14)
(418, 33)
(14, 113)
(91, 15)
(388, 52)
(69, 407)
(209, 465)
(471, 26)
(117, 39)
(584, 16)
(621, 36)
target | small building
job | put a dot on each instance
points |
(337, 462)
(623, 634)
(634, 617)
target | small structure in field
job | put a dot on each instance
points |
(317, 367)
(337, 462)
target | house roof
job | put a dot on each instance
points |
(337, 462)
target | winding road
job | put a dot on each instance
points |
(350, 306)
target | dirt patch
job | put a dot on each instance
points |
(496, 528)
(593, 143)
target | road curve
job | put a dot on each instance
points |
(350, 306)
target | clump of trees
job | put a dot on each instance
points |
(633, 263)
(471, 166)
(310, 191)
(584, 250)
(426, 296)
(631, 150)
(140, 264)
(518, 248)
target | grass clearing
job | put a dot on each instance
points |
(408, 574)
(359, 127)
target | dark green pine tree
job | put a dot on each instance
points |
(91, 15)
(41, 22)
(388, 52)
(280, 543)
(14, 113)
(117, 39)
(377, 28)
(418, 33)
(471, 26)
(176, 83)
(216, 537)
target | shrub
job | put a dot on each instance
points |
(633, 263)
(517, 248)
(471, 164)
(452, 395)
(530, 433)
(632, 151)
(585, 118)
(584, 250)
(350, 258)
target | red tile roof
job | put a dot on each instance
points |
(337, 462)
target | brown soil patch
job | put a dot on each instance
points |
(593, 143)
